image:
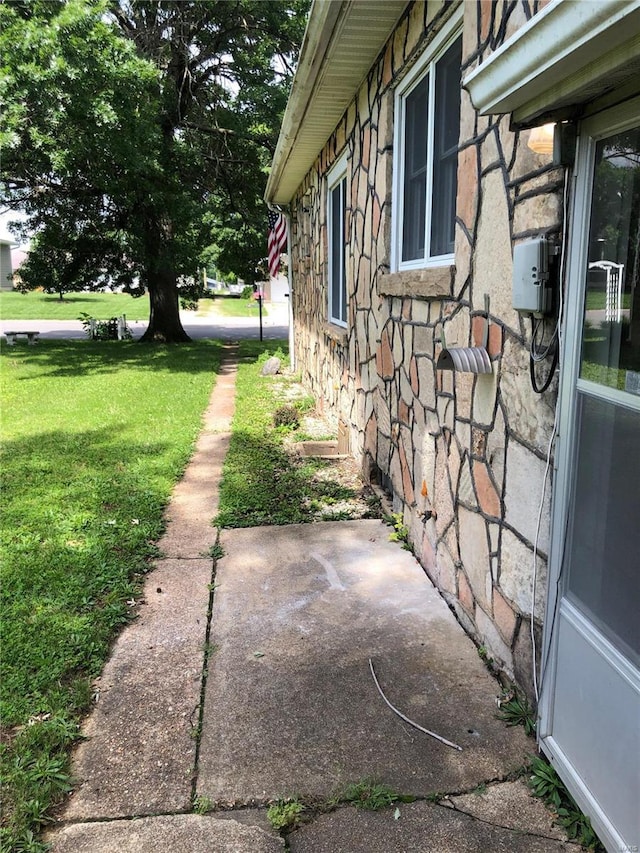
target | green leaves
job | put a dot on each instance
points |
(546, 784)
(127, 122)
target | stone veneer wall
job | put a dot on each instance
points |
(470, 448)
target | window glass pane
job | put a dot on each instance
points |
(338, 280)
(415, 171)
(445, 150)
(611, 330)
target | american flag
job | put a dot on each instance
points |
(277, 242)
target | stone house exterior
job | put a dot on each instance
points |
(393, 285)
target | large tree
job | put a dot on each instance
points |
(135, 133)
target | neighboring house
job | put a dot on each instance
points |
(404, 167)
(6, 265)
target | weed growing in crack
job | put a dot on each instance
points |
(546, 784)
(400, 530)
(516, 710)
(216, 552)
(201, 804)
(373, 796)
(285, 814)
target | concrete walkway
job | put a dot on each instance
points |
(247, 677)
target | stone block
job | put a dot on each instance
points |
(525, 477)
(423, 340)
(489, 152)
(496, 449)
(384, 359)
(538, 212)
(467, 196)
(463, 261)
(474, 552)
(463, 395)
(426, 380)
(428, 456)
(530, 416)
(516, 575)
(488, 498)
(446, 412)
(446, 569)
(504, 617)
(465, 594)
(484, 398)
(523, 657)
(415, 28)
(441, 496)
(466, 493)
(493, 642)
(493, 261)
(526, 161)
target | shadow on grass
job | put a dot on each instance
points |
(84, 358)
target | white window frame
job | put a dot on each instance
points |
(425, 65)
(335, 176)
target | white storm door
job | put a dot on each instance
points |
(590, 703)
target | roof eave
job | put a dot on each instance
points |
(307, 123)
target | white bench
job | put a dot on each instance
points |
(31, 337)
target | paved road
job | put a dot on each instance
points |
(275, 326)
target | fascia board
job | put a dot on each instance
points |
(320, 25)
(559, 42)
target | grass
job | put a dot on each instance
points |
(48, 306)
(596, 300)
(262, 483)
(285, 813)
(372, 796)
(102, 306)
(95, 435)
(230, 306)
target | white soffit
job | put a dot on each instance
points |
(342, 40)
(569, 53)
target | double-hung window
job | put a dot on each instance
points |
(426, 158)
(336, 226)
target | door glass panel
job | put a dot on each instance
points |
(603, 564)
(611, 330)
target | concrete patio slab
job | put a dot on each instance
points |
(415, 828)
(139, 752)
(175, 833)
(291, 705)
(511, 805)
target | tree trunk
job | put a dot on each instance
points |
(164, 315)
(161, 280)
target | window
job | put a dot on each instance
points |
(336, 209)
(426, 152)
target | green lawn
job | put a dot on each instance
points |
(230, 306)
(48, 306)
(102, 306)
(94, 436)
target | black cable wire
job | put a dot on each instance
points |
(540, 389)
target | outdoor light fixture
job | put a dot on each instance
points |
(541, 139)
